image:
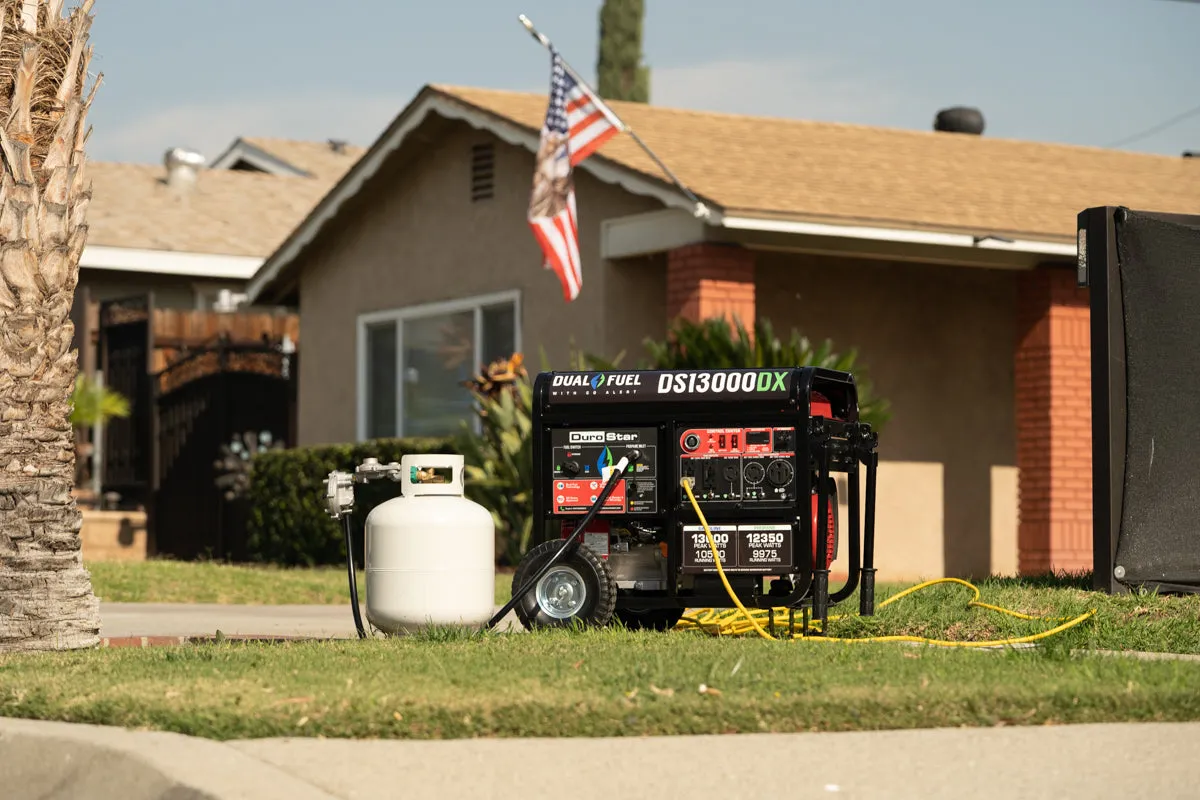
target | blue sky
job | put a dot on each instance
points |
(1089, 72)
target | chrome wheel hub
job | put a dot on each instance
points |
(561, 593)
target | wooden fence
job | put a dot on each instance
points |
(178, 330)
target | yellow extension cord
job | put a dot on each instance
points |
(731, 622)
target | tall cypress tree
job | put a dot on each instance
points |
(622, 76)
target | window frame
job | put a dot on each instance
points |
(398, 316)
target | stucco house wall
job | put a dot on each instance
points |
(937, 342)
(414, 237)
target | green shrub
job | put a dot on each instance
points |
(499, 462)
(287, 523)
(499, 466)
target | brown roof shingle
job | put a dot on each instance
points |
(226, 212)
(827, 172)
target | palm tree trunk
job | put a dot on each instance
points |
(46, 599)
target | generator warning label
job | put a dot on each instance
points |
(576, 497)
(762, 548)
(595, 536)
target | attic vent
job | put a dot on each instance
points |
(483, 172)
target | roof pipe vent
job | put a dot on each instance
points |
(182, 168)
(959, 119)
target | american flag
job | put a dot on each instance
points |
(577, 124)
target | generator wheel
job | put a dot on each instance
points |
(654, 619)
(578, 589)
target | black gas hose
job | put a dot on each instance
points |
(362, 633)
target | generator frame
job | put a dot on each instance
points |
(823, 448)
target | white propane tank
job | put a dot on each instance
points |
(430, 553)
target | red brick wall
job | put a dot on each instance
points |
(1054, 434)
(710, 280)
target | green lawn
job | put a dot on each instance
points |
(596, 683)
(1122, 622)
(163, 581)
(616, 682)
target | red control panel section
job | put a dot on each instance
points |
(577, 496)
(739, 465)
(699, 442)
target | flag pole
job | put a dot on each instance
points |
(701, 210)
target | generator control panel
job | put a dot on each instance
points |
(739, 465)
(582, 460)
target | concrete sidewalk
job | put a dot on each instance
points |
(127, 620)
(168, 623)
(57, 760)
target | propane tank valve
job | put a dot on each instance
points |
(339, 486)
(371, 469)
(339, 494)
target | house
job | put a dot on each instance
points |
(947, 259)
(188, 233)
(190, 238)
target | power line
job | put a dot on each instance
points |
(1162, 126)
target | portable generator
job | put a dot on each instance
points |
(617, 534)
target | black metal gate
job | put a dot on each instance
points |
(203, 401)
(163, 456)
(126, 345)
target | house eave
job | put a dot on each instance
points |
(432, 102)
(659, 231)
(169, 262)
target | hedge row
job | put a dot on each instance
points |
(288, 523)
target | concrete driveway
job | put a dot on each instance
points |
(125, 620)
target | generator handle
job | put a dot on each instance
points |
(853, 510)
(862, 553)
(820, 530)
(866, 600)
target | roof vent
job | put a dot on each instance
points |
(338, 146)
(959, 119)
(182, 167)
(483, 172)
(1191, 153)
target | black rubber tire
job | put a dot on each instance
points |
(601, 598)
(653, 619)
